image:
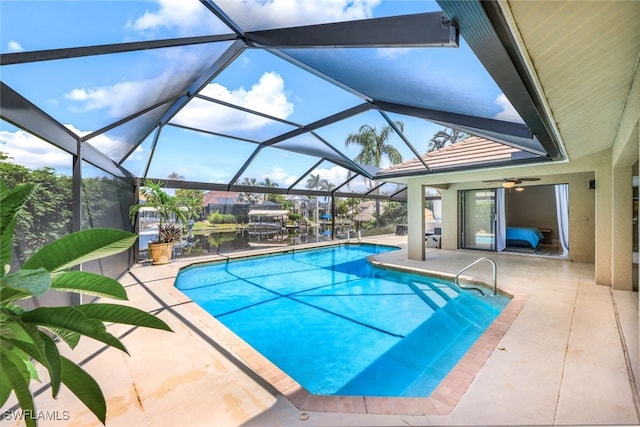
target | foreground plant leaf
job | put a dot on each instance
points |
(89, 284)
(10, 373)
(122, 314)
(85, 388)
(79, 247)
(25, 336)
(11, 201)
(25, 283)
(69, 318)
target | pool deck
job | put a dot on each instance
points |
(566, 353)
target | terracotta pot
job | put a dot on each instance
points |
(160, 253)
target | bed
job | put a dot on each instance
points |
(524, 236)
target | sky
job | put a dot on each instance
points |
(87, 94)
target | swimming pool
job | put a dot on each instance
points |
(337, 325)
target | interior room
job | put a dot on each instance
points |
(533, 206)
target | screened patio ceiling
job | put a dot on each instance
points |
(242, 95)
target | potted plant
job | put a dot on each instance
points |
(167, 208)
(161, 248)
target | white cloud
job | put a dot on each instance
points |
(277, 13)
(113, 98)
(267, 95)
(32, 152)
(14, 46)
(109, 146)
(124, 98)
(183, 15)
(335, 175)
(281, 177)
(508, 113)
(392, 53)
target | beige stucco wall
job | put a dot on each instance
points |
(622, 227)
(625, 153)
(415, 220)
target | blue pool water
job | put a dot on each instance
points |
(338, 325)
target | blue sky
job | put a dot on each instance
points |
(86, 94)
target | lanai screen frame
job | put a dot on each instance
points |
(481, 23)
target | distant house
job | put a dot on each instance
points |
(225, 202)
(302, 205)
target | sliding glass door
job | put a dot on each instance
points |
(478, 219)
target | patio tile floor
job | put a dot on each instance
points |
(559, 360)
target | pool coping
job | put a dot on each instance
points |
(441, 401)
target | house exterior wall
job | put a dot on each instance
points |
(415, 220)
(588, 221)
(600, 218)
(622, 226)
(625, 154)
(581, 214)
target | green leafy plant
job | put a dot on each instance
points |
(28, 337)
(166, 205)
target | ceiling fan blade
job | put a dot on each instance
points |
(529, 179)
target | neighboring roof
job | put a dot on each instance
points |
(469, 152)
(220, 197)
(299, 198)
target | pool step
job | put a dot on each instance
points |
(434, 296)
(415, 365)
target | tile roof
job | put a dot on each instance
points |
(471, 151)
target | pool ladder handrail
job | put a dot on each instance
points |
(476, 262)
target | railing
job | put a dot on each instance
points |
(476, 262)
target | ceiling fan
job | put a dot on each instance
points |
(511, 182)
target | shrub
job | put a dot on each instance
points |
(295, 216)
(218, 218)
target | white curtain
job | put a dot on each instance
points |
(501, 222)
(562, 207)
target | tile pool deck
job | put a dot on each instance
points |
(554, 357)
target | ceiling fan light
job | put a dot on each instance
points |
(520, 189)
(508, 184)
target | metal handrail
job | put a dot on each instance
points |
(478, 261)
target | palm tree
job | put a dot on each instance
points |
(175, 176)
(166, 205)
(251, 198)
(314, 182)
(327, 186)
(270, 184)
(445, 137)
(374, 145)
